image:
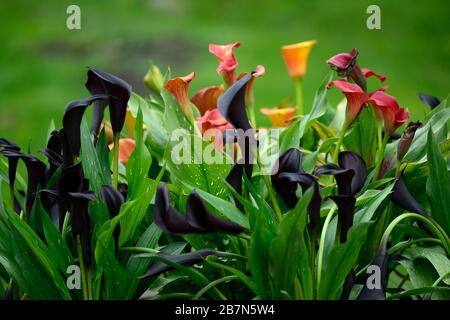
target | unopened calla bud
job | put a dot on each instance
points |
(154, 79)
(405, 141)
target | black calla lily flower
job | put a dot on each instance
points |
(81, 225)
(53, 152)
(73, 115)
(381, 260)
(401, 197)
(113, 200)
(231, 105)
(197, 219)
(429, 100)
(350, 175)
(36, 175)
(119, 91)
(123, 189)
(190, 258)
(289, 176)
(346, 210)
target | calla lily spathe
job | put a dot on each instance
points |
(279, 117)
(227, 60)
(179, 88)
(296, 57)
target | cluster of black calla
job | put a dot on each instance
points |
(288, 175)
(71, 189)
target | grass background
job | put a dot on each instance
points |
(42, 63)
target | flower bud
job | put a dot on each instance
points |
(154, 79)
(405, 141)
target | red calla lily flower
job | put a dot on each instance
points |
(356, 98)
(213, 119)
(369, 73)
(228, 62)
(387, 108)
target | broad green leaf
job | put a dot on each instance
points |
(422, 274)
(435, 255)
(191, 170)
(40, 251)
(224, 208)
(340, 262)
(438, 184)
(285, 248)
(138, 164)
(362, 136)
(366, 213)
(437, 123)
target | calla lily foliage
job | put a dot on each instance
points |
(354, 203)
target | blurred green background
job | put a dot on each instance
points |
(42, 63)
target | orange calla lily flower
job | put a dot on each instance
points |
(126, 148)
(279, 117)
(296, 57)
(179, 88)
(206, 99)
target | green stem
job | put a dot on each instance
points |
(380, 157)
(299, 94)
(140, 249)
(116, 160)
(272, 195)
(65, 224)
(251, 114)
(84, 284)
(434, 227)
(322, 242)
(339, 142)
(213, 284)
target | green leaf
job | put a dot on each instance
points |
(285, 248)
(422, 274)
(435, 255)
(153, 117)
(258, 255)
(362, 136)
(191, 170)
(94, 171)
(437, 123)
(367, 212)
(40, 252)
(225, 208)
(438, 184)
(56, 244)
(138, 164)
(340, 261)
